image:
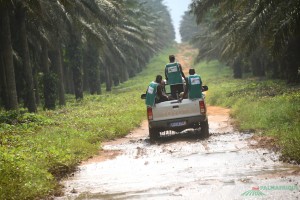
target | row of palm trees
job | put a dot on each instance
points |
(53, 47)
(258, 36)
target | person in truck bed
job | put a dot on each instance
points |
(193, 86)
(174, 76)
(155, 92)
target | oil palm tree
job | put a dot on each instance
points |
(6, 58)
(244, 26)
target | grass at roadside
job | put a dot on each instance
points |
(265, 106)
(38, 149)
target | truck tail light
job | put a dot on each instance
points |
(149, 113)
(202, 107)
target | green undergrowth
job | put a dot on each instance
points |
(269, 107)
(37, 150)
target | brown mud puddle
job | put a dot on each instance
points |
(184, 166)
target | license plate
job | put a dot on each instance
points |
(176, 124)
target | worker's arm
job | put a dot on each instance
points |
(166, 74)
(160, 93)
(185, 90)
(182, 74)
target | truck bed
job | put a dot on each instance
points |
(174, 109)
(177, 116)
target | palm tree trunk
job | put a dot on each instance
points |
(124, 74)
(7, 56)
(44, 58)
(237, 68)
(57, 64)
(292, 70)
(258, 60)
(68, 81)
(257, 65)
(107, 77)
(85, 77)
(36, 86)
(292, 61)
(92, 68)
(49, 82)
(21, 14)
(274, 66)
(76, 64)
(3, 85)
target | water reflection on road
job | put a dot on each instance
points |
(183, 166)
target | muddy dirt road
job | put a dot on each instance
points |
(227, 165)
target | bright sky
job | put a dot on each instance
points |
(177, 9)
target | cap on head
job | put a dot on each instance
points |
(192, 71)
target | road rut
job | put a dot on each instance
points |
(227, 165)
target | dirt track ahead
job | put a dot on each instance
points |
(227, 165)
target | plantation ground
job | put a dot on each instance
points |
(37, 150)
(228, 165)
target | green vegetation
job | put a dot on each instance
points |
(250, 36)
(268, 106)
(36, 150)
(53, 48)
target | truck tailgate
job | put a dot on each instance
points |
(173, 109)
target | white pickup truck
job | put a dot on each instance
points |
(177, 116)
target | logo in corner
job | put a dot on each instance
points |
(254, 192)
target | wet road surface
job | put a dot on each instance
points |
(227, 165)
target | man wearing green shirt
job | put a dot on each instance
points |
(154, 93)
(174, 76)
(193, 86)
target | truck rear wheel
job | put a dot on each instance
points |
(204, 129)
(153, 134)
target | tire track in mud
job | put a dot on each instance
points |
(227, 165)
(184, 166)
